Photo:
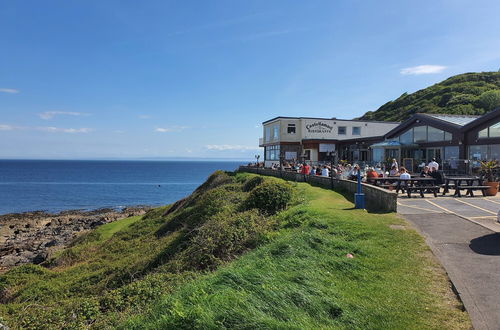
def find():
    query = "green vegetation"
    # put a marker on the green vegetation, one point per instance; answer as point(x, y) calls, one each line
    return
point(226, 257)
point(464, 94)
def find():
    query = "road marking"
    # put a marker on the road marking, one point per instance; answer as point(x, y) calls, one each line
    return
point(416, 207)
point(486, 216)
point(480, 208)
point(489, 200)
point(439, 206)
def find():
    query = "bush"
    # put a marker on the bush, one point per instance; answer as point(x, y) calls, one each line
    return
point(224, 237)
point(252, 183)
point(270, 196)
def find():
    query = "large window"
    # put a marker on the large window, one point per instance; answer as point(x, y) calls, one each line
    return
point(420, 134)
point(424, 134)
point(406, 137)
point(276, 132)
point(267, 134)
point(272, 153)
point(342, 130)
point(356, 130)
point(492, 131)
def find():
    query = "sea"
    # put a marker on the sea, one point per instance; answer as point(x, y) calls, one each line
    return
point(58, 185)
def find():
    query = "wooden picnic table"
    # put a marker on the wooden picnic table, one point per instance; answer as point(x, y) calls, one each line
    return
point(469, 185)
point(420, 184)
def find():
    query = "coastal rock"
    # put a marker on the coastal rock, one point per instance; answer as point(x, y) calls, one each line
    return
point(32, 237)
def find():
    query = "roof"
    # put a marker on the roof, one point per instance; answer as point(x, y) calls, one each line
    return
point(333, 118)
point(459, 120)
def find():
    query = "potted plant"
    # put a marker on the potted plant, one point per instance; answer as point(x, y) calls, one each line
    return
point(487, 172)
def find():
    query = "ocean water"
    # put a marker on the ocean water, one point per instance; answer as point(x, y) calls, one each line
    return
point(50, 185)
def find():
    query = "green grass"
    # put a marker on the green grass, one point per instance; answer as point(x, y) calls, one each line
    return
point(218, 262)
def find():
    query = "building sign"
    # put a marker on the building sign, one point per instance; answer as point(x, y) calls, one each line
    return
point(319, 127)
point(326, 147)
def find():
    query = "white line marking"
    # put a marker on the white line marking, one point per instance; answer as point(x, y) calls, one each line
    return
point(477, 207)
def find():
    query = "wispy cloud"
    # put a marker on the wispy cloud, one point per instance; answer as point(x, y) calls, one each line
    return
point(423, 69)
point(64, 130)
point(9, 90)
point(170, 129)
point(50, 114)
point(222, 147)
point(7, 127)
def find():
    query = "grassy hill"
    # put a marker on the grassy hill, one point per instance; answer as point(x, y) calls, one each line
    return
point(464, 94)
point(243, 251)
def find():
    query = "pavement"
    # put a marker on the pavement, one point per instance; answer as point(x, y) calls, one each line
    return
point(465, 237)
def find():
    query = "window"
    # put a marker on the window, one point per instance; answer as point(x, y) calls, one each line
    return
point(342, 130)
point(447, 136)
point(356, 130)
point(492, 132)
point(276, 132)
point(406, 137)
point(495, 130)
point(272, 153)
point(420, 134)
point(434, 134)
point(267, 134)
point(291, 129)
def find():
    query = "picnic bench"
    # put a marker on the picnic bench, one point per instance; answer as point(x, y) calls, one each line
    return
point(469, 186)
point(416, 184)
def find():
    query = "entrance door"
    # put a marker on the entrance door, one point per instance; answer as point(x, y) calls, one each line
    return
point(434, 153)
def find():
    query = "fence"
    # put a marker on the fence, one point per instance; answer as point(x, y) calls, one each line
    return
point(376, 199)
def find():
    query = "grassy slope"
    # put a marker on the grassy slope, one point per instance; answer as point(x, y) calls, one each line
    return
point(464, 94)
point(302, 278)
point(298, 276)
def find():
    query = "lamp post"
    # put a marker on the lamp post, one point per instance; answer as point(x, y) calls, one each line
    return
point(257, 157)
point(359, 197)
point(331, 155)
point(282, 158)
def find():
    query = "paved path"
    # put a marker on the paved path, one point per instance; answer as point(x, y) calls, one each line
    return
point(468, 249)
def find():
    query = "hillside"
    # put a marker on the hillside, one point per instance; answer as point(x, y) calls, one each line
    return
point(243, 251)
point(464, 94)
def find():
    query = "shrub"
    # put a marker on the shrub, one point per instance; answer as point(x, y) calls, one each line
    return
point(270, 196)
point(224, 237)
point(252, 183)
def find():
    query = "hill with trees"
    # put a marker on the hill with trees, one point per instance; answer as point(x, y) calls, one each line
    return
point(463, 94)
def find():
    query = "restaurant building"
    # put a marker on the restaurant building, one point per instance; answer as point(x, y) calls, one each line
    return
point(458, 142)
point(316, 139)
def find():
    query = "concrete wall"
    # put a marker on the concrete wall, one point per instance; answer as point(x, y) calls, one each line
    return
point(376, 199)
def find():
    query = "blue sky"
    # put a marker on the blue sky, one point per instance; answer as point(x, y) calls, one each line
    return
point(132, 79)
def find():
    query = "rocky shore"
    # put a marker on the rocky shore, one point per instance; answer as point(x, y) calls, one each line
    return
point(32, 237)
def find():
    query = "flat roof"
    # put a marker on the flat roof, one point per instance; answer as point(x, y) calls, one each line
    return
point(333, 118)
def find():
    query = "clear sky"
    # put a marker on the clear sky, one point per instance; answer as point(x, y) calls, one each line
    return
point(131, 79)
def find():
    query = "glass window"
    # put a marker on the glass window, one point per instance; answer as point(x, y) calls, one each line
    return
point(434, 134)
point(291, 129)
point(356, 130)
point(420, 134)
point(447, 136)
point(494, 152)
point(342, 130)
point(272, 153)
point(378, 154)
point(406, 137)
point(276, 132)
point(267, 134)
point(483, 133)
point(495, 130)
point(478, 152)
point(451, 152)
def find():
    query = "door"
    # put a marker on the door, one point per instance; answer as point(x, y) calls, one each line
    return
point(434, 153)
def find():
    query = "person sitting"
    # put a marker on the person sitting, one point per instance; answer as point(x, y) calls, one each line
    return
point(318, 170)
point(403, 174)
point(393, 171)
point(371, 174)
point(312, 171)
point(353, 175)
point(325, 171)
point(426, 173)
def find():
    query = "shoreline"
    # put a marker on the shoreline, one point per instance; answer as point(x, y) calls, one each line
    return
point(33, 237)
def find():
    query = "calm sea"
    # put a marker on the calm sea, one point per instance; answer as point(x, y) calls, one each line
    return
point(29, 185)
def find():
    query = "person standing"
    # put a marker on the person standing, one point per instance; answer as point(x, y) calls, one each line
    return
point(394, 164)
point(433, 165)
